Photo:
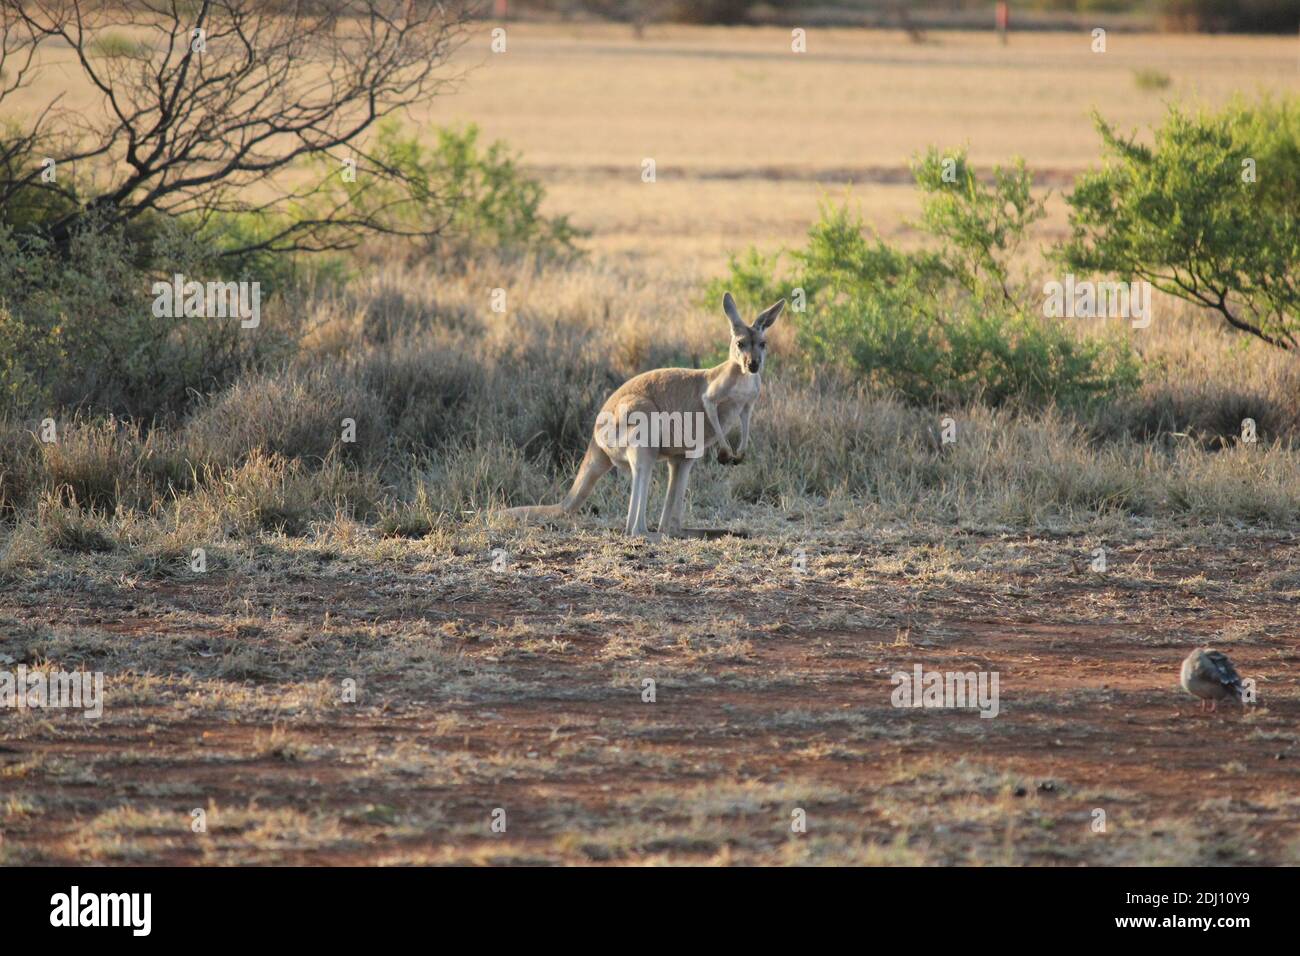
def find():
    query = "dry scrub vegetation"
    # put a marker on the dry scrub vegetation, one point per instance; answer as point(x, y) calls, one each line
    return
point(460, 410)
point(499, 666)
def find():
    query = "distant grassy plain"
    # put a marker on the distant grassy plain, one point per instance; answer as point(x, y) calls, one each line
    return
point(747, 136)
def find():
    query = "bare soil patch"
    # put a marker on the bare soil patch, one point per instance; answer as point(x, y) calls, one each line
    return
point(523, 690)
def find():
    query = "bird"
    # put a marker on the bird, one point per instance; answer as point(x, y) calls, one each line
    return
point(1209, 675)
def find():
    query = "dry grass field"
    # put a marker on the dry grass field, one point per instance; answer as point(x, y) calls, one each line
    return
point(500, 668)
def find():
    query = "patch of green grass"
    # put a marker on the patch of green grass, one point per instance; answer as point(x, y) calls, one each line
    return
point(118, 45)
point(1151, 79)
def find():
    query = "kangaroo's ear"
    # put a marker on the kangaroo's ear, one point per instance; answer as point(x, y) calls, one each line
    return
point(769, 315)
point(729, 306)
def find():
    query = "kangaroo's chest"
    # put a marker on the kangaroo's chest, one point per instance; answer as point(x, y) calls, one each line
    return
point(739, 398)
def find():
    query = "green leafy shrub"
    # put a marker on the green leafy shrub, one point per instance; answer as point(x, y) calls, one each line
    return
point(86, 334)
point(952, 325)
point(981, 226)
point(1207, 213)
point(26, 206)
point(476, 197)
point(79, 316)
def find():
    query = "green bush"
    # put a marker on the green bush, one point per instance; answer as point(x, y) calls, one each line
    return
point(27, 206)
point(86, 334)
point(1207, 213)
point(936, 327)
point(981, 226)
point(477, 198)
point(78, 320)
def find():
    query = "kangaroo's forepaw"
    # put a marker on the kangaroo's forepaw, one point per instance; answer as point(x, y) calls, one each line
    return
point(727, 458)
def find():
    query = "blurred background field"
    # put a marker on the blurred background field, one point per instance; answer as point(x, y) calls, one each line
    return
point(747, 136)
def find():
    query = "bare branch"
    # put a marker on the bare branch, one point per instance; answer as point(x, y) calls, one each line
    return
point(206, 105)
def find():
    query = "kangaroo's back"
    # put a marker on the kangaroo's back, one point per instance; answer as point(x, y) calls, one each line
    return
point(662, 389)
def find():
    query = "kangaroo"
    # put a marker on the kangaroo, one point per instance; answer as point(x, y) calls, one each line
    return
point(673, 415)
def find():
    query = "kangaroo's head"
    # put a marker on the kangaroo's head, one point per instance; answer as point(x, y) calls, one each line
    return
point(747, 341)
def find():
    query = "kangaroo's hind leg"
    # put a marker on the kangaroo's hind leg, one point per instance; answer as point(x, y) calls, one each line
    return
point(642, 461)
point(674, 513)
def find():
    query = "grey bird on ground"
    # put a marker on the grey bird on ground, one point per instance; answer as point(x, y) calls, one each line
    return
point(1209, 675)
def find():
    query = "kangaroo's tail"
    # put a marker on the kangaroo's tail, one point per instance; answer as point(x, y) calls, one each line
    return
point(594, 465)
